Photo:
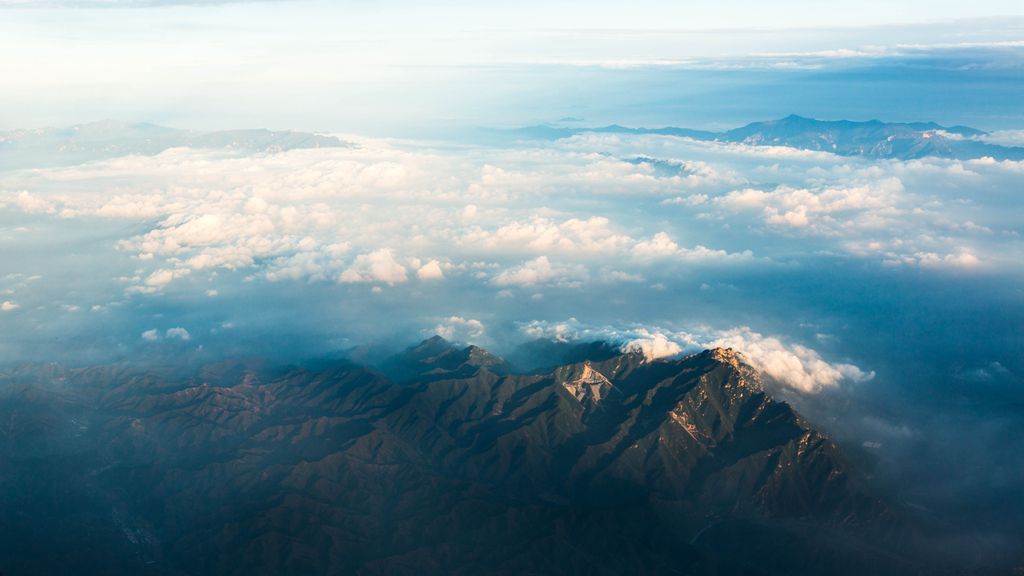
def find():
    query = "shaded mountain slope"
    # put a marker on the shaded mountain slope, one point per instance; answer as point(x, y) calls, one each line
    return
point(617, 465)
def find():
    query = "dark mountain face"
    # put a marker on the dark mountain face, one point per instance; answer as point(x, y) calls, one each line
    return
point(606, 466)
point(436, 358)
point(545, 355)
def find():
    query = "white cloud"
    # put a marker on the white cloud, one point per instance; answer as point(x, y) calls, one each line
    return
point(587, 240)
point(151, 335)
point(314, 263)
point(1004, 137)
point(377, 266)
point(823, 211)
point(540, 271)
point(653, 346)
point(430, 271)
point(460, 329)
point(179, 333)
point(30, 203)
point(8, 306)
point(962, 260)
point(543, 235)
point(556, 331)
point(302, 215)
point(798, 367)
point(163, 277)
point(660, 245)
point(691, 200)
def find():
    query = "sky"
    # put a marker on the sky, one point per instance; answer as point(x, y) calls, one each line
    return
point(356, 65)
point(883, 296)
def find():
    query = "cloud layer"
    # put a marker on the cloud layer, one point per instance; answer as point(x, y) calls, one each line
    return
point(388, 238)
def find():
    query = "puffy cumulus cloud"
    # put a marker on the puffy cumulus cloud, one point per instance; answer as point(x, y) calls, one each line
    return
point(378, 266)
point(279, 212)
point(541, 271)
point(798, 367)
point(661, 246)
point(28, 202)
point(299, 215)
point(460, 329)
point(915, 213)
point(558, 331)
point(651, 341)
point(8, 306)
point(179, 333)
point(314, 265)
point(601, 207)
point(1004, 137)
point(961, 260)
point(690, 200)
point(176, 333)
point(163, 277)
point(709, 255)
point(156, 280)
point(430, 271)
point(543, 235)
point(591, 239)
point(653, 346)
point(824, 211)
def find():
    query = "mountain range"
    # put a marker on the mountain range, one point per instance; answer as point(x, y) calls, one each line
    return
point(871, 139)
point(44, 147)
point(443, 459)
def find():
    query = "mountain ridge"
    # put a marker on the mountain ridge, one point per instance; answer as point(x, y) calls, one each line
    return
point(870, 139)
point(104, 139)
point(241, 469)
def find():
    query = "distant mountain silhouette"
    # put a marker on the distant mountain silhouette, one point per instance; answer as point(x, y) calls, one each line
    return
point(110, 139)
point(873, 139)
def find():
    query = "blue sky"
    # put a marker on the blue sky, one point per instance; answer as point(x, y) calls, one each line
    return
point(643, 14)
point(386, 67)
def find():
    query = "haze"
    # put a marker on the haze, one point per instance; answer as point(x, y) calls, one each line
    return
point(883, 294)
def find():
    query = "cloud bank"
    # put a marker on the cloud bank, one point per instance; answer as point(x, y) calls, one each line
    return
point(387, 238)
point(799, 368)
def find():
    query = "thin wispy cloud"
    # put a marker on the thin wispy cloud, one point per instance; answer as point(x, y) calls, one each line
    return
point(118, 4)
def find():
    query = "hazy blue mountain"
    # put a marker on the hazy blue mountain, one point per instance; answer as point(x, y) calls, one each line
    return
point(873, 139)
point(437, 358)
point(110, 139)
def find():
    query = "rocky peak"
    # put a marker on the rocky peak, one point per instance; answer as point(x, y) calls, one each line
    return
point(587, 385)
point(436, 357)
